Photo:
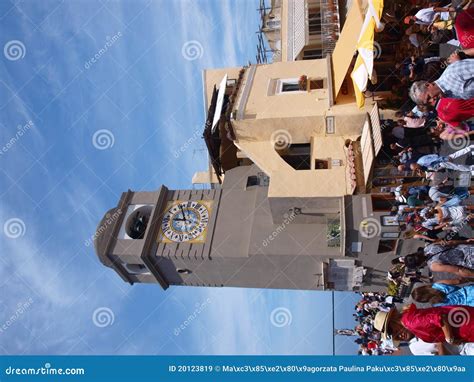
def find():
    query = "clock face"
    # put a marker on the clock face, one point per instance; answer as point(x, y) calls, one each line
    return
point(185, 221)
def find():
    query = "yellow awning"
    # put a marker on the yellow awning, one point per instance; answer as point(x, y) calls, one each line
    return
point(365, 46)
point(346, 45)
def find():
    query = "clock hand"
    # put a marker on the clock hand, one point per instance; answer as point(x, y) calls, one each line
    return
point(182, 211)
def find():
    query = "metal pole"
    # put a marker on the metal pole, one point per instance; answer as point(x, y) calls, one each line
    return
point(333, 327)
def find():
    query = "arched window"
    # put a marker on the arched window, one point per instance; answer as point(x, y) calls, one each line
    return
point(136, 269)
point(137, 222)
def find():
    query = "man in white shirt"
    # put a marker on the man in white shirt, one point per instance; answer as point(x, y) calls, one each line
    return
point(427, 16)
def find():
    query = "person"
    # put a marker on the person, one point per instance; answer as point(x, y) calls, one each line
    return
point(450, 324)
point(454, 217)
point(455, 111)
point(457, 81)
point(455, 257)
point(413, 67)
point(448, 196)
point(465, 28)
point(441, 293)
point(435, 162)
point(427, 16)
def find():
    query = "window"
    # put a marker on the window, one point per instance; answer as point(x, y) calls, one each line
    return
point(316, 84)
point(382, 202)
point(137, 269)
point(290, 87)
point(252, 181)
point(314, 22)
point(312, 54)
point(387, 246)
point(137, 222)
point(321, 164)
point(258, 180)
point(297, 156)
point(333, 232)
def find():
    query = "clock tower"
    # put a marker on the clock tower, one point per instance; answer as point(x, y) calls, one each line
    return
point(235, 235)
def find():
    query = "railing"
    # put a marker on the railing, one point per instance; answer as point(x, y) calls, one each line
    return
point(330, 25)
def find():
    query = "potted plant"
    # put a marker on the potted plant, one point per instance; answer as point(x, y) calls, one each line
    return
point(303, 82)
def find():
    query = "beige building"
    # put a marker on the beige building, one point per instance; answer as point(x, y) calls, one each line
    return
point(291, 171)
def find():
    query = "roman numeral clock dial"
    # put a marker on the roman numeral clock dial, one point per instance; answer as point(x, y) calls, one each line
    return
point(185, 222)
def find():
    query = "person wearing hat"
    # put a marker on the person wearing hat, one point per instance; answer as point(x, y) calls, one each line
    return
point(450, 324)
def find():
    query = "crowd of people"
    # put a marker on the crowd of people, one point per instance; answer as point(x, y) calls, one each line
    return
point(370, 341)
point(436, 115)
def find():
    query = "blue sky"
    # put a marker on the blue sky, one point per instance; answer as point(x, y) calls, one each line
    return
point(142, 99)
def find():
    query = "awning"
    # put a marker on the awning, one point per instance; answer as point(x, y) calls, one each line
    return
point(376, 129)
point(346, 45)
point(367, 150)
point(365, 46)
point(211, 139)
point(370, 141)
point(220, 103)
